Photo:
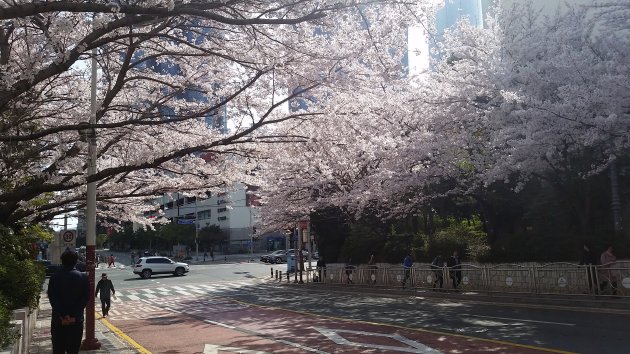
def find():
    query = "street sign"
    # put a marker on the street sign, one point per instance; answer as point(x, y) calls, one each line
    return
point(185, 221)
point(68, 239)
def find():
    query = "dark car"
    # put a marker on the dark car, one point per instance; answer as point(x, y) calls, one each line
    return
point(50, 268)
point(53, 268)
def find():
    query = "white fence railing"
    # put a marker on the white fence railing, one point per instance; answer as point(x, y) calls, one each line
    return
point(551, 278)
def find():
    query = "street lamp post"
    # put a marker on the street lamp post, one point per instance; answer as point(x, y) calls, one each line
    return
point(196, 230)
point(90, 342)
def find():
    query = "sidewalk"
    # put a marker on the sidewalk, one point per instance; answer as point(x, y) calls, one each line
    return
point(42, 344)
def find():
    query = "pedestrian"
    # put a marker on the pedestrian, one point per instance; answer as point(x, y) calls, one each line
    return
point(589, 261)
point(407, 264)
point(106, 288)
point(205, 254)
point(111, 261)
point(454, 269)
point(607, 260)
point(98, 259)
point(212, 254)
point(321, 268)
point(372, 267)
point(133, 257)
point(349, 268)
point(436, 266)
point(68, 292)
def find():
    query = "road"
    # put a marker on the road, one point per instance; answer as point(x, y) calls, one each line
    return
point(238, 306)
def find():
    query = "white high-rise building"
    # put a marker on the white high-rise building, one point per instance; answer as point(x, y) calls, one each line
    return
point(234, 211)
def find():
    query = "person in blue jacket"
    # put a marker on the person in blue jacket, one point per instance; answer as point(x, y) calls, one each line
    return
point(68, 292)
point(407, 264)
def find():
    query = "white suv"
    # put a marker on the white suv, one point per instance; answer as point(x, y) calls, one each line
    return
point(146, 266)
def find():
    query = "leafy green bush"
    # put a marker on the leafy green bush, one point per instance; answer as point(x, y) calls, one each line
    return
point(21, 281)
point(20, 277)
point(466, 236)
point(7, 335)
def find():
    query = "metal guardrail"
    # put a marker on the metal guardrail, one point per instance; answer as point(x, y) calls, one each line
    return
point(551, 278)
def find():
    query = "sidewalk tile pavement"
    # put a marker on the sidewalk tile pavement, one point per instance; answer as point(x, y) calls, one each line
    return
point(42, 344)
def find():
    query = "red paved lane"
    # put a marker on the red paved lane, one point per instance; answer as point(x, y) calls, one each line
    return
point(179, 325)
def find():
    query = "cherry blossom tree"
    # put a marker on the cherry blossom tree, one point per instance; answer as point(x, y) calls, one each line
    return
point(523, 98)
point(168, 71)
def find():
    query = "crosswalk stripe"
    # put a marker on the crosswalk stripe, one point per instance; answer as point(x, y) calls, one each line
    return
point(169, 292)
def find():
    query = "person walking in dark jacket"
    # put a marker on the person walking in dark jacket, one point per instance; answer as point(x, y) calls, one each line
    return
point(454, 269)
point(68, 292)
point(589, 261)
point(106, 287)
point(436, 266)
point(321, 268)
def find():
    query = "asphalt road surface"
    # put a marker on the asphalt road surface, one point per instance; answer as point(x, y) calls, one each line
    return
point(216, 307)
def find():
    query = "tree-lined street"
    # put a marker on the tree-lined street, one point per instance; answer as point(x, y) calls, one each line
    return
point(239, 306)
point(429, 132)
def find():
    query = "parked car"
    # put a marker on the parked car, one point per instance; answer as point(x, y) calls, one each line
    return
point(278, 256)
point(147, 266)
point(50, 268)
point(304, 253)
point(53, 268)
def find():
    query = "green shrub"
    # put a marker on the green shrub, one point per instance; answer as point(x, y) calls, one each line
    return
point(7, 334)
point(21, 281)
point(466, 236)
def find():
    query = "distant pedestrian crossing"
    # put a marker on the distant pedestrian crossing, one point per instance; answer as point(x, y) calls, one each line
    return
point(165, 301)
point(188, 290)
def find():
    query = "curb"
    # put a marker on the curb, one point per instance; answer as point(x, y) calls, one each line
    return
point(587, 303)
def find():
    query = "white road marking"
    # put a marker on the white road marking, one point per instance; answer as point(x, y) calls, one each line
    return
point(522, 320)
point(413, 346)
point(214, 349)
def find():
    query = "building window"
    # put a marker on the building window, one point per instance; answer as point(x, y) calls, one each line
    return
point(221, 210)
point(221, 218)
point(221, 201)
point(204, 214)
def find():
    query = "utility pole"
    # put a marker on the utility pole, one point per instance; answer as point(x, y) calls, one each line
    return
point(196, 230)
point(90, 342)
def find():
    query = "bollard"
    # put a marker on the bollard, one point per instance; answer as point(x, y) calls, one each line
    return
point(272, 272)
point(276, 274)
point(288, 279)
point(280, 276)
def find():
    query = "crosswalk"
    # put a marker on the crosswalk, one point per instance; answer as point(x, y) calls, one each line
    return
point(166, 301)
point(186, 290)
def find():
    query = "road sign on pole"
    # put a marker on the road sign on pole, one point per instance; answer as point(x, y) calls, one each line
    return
point(67, 239)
